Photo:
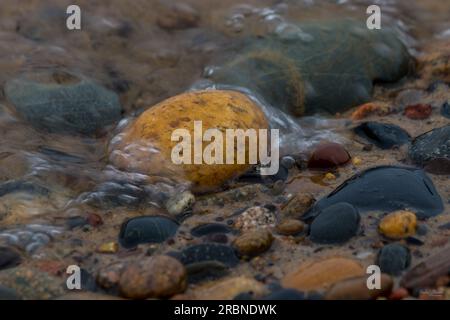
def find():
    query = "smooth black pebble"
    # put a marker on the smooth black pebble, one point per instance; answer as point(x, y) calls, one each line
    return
point(210, 228)
point(385, 188)
point(393, 259)
point(147, 229)
point(207, 252)
point(9, 258)
point(383, 135)
point(335, 224)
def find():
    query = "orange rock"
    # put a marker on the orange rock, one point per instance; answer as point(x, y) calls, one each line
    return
point(322, 274)
point(356, 289)
point(398, 225)
point(364, 110)
point(146, 145)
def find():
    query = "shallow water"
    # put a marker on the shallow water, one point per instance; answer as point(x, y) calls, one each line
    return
point(122, 47)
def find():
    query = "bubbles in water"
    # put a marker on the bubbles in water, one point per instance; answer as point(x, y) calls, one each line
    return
point(30, 237)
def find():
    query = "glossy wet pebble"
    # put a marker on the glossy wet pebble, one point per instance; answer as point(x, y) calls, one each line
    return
point(335, 224)
point(210, 228)
point(207, 252)
point(253, 242)
point(290, 227)
point(328, 155)
point(135, 148)
point(9, 258)
point(154, 277)
point(393, 259)
point(59, 101)
point(147, 229)
point(398, 225)
point(383, 135)
point(432, 150)
point(386, 188)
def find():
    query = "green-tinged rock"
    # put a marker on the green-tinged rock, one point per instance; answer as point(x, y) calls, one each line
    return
point(329, 67)
point(58, 101)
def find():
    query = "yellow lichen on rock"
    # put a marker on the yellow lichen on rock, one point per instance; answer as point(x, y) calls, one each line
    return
point(146, 145)
point(398, 225)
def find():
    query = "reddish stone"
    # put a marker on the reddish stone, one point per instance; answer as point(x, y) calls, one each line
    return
point(328, 155)
point(94, 219)
point(418, 111)
point(399, 294)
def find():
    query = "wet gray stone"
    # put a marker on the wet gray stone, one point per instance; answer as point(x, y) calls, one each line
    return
point(59, 101)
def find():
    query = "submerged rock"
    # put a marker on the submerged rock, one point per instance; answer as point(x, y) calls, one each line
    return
point(386, 188)
point(154, 277)
point(147, 229)
point(321, 274)
point(356, 289)
point(289, 74)
point(335, 224)
point(253, 242)
point(432, 150)
point(207, 252)
point(383, 135)
point(210, 228)
point(60, 101)
point(146, 146)
point(9, 258)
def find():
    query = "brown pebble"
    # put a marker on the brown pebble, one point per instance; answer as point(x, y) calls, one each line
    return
point(297, 205)
point(328, 155)
point(253, 242)
point(356, 289)
point(154, 277)
point(109, 276)
point(418, 111)
point(399, 294)
point(290, 227)
point(177, 15)
point(94, 219)
point(317, 275)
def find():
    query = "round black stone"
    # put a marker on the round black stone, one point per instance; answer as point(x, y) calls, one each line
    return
point(147, 229)
point(335, 224)
point(9, 258)
point(383, 135)
point(393, 259)
point(210, 228)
